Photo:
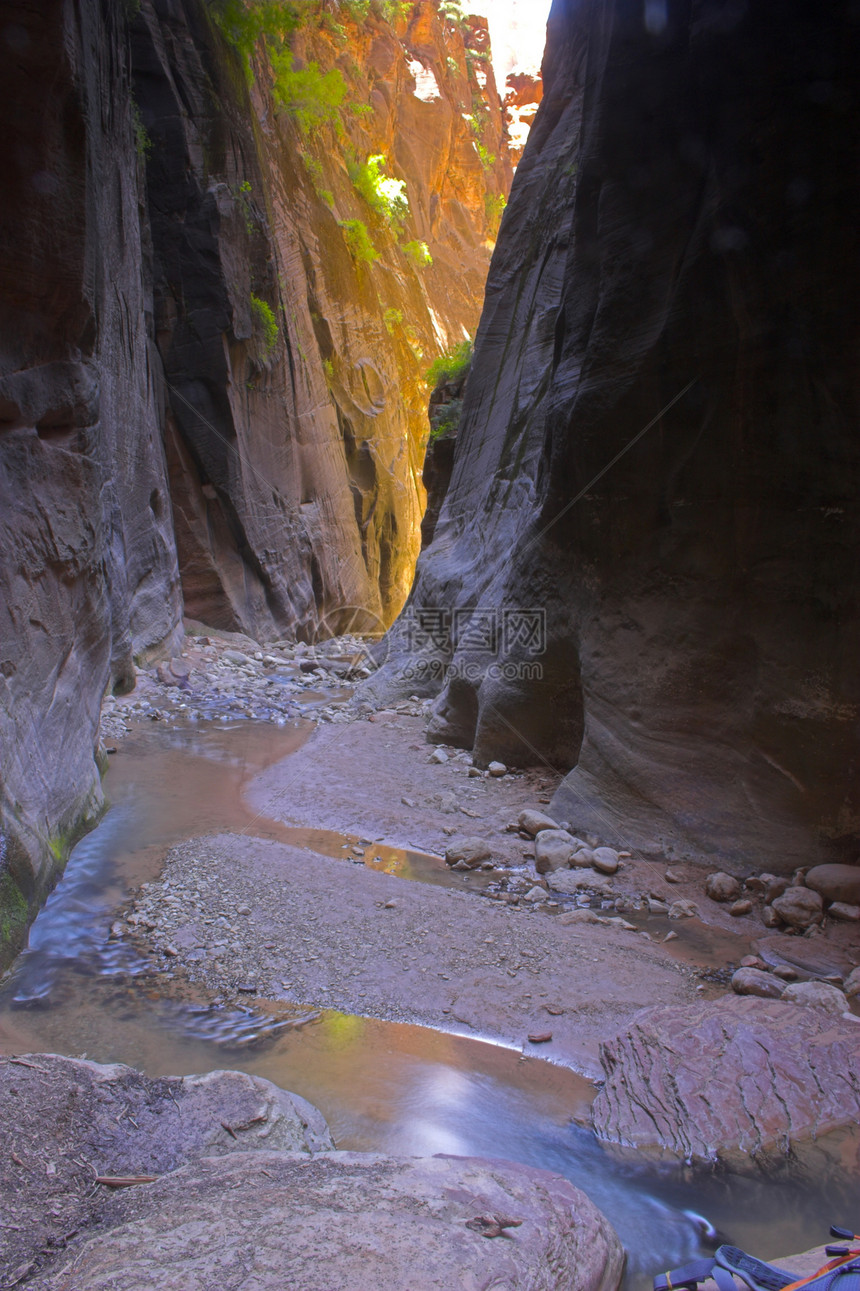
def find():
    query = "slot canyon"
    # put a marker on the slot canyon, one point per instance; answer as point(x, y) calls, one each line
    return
point(429, 638)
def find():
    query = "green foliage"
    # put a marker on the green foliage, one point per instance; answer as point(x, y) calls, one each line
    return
point(327, 196)
point(142, 141)
point(448, 421)
point(383, 194)
point(243, 25)
point(358, 240)
point(13, 915)
point(392, 318)
point(494, 206)
point(419, 253)
point(312, 97)
point(488, 159)
point(450, 365)
point(242, 195)
point(452, 10)
point(453, 66)
point(264, 326)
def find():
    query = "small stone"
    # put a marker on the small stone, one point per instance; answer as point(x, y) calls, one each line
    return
point(572, 917)
point(775, 889)
point(497, 769)
point(785, 972)
point(751, 981)
point(535, 894)
point(846, 913)
point(582, 858)
point(740, 908)
point(540, 1037)
point(171, 952)
point(468, 853)
point(683, 909)
point(722, 887)
point(439, 757)
point(752, 961)
point(409, 802)
point(473, 773)
point(800, 907)
point(533, 822)
point(816, 994)
point(852, 983)
point(770, 918)
point(390, 905)
point(672, 876)
point(243, 909)
point(670, 936)
point(605, 860)
point(553, 850)
point(247, 988)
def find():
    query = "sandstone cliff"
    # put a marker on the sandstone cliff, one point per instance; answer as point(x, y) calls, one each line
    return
point(213, 344)
point(659, 447)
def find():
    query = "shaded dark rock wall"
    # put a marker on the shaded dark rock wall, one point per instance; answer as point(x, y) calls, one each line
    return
point(88, 573)
point(675, 280)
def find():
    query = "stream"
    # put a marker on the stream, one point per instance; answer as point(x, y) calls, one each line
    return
point(382, 1086)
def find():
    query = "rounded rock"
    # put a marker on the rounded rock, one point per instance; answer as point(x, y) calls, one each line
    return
point(497, 769)
point(533, 822)
point(817, 995)
point(605, 860)
point(836, 882)
point(751, 981)
point(553, 850)
point(800, 907)
point(722, 887)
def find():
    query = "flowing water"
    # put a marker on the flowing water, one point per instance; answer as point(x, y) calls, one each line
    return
point(382, 1086)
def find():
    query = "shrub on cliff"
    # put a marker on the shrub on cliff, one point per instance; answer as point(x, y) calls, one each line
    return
point(450, 365)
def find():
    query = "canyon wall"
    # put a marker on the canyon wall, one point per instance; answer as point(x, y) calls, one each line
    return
point(88, 572)
point(211, 381)
point(655, 489)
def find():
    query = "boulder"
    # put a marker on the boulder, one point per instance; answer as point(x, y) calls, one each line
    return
point(727, 1080)
point(470, 852)
point(583, 858)
point(799, 907)
point(722, 887)
point(346, 1219)
point(836, 882)
point(553, 850)
point(816, 994)
point(74, 1117)
point(535, 821)
point(751, 981)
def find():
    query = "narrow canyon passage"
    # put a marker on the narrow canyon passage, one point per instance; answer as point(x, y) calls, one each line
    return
point(429, 702)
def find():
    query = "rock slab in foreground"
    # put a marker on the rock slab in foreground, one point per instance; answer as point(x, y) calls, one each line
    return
point(738, 1076)
point(273, 1221)
point(63, 1121)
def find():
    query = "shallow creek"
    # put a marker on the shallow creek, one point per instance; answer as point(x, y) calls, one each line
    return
point(382, 1086)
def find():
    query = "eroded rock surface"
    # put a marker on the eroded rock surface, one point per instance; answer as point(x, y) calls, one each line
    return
point(657, 445)
point(371, 1223)
point(63, 1120)
point(730, 1079)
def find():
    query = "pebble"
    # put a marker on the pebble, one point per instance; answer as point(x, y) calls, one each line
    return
point(672, 876)
point(683, 909)
point(497, 769)
point(740, 908)
point(439, 757)
point(852, 983)
point(533, 822)
point(800, 907)
point(540, 1037)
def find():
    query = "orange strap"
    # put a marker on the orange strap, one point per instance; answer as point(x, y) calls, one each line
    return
point(825, 1268)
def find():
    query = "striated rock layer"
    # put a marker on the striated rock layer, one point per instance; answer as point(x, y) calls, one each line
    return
point(731, 1079)
point(658, 449)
